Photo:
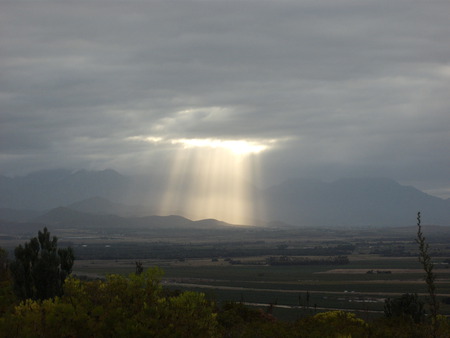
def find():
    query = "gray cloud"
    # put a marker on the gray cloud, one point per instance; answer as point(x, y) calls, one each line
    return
point(347, 87)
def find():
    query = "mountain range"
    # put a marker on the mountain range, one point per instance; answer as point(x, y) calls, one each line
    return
point(353, 202)
point(67, 217)
point(107, 197)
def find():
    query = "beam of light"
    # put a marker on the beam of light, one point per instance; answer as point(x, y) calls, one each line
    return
point(240, 147)
point(148, 139)
point(213, 179)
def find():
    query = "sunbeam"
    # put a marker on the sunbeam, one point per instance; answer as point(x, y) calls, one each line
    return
point(213, 179)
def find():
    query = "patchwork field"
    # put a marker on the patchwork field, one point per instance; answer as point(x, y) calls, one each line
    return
point(292, 271)
point(292, 290)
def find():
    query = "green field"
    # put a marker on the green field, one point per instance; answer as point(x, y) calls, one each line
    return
point(347, 287)
point(237, 264)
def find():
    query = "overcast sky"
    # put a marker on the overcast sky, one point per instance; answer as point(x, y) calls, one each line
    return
point(332, 88)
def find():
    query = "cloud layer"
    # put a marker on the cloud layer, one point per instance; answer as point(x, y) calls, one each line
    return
point(336, 88)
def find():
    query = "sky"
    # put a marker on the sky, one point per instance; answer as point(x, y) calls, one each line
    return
point(312, 89)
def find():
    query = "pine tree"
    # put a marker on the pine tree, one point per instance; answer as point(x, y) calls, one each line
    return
point(40, 268)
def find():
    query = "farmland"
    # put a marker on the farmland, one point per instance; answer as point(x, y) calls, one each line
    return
point(238, 265)
point(296, 271)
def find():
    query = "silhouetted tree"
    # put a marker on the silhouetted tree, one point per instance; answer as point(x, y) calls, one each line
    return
point(3, 264)
point(407, 306)
point(427, 264)
point(139, 267)
point(40, 268)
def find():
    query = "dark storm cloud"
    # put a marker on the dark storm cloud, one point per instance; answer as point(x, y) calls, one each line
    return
point(346, 87)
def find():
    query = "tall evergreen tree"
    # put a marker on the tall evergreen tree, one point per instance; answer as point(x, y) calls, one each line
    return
point(40, 268)
point(3, 264)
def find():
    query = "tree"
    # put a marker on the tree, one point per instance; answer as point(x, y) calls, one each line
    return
point(407, 306)
point(40, 268)
point(3, 264)
point(430, 276)
point(139, 267)
point(7, 298)
point(428, 266)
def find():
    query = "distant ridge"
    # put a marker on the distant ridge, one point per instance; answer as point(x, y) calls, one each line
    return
point(51, 188)
point(66, 217)
point(102, 206)
point(349, 202)
point(353, 202)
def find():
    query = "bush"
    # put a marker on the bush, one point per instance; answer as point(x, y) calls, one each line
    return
point(131, 306)
point(408, 306)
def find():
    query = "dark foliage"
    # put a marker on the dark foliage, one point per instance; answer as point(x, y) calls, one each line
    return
point(40, 268)
point(407, 306)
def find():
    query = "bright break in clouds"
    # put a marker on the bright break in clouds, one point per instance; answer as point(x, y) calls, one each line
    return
point(323, 89)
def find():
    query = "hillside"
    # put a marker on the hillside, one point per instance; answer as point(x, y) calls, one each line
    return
point(65, 217)
point(352, 202)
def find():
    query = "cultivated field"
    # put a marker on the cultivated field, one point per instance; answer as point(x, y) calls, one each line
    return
point(381, 264)
point(294, 270)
